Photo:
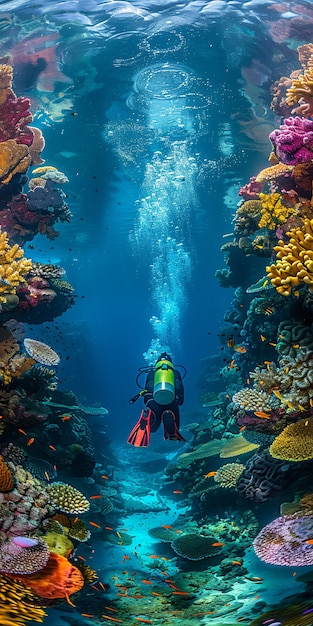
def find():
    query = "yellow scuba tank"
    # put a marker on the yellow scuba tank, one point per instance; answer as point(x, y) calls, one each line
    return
point(164, 382)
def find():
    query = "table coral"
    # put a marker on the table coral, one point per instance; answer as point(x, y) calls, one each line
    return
point(294, 263)
point(286, 541)
point(293, 141)
point(236, 446)
point(195, 547)
point(295, 442)
point(13, 267)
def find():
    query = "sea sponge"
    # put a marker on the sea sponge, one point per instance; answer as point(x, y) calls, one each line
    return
point(273, 212)
point(58, 543)
point(58, 579)
point(295, 260)
point(16, 558)
point(295, 442)
point(286, 541)
point(67, 498)
point(195, 547)
point(18, 604)
point(14, 159)
point(41, 352)
point(227, 475)
point(13, 266)
point(272, 173)
point(6, 477)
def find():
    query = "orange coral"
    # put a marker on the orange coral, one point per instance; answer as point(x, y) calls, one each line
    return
point(6, 477)
point(58, 579)
point(6, 76)
point(14, 158)
point(37, 146)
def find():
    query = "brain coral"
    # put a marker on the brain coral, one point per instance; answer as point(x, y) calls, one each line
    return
point(285, 541)
point(195, 547)
point(263, 477)
point(67, 499)
point(295, 442)
point(291, 335)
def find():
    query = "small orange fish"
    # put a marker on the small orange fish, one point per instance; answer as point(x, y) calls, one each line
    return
point(87, 615)
point(248, 381)
point(277, 394)
point(209, 474)
point(167, 526)
point(217, 544)
point(262, 414)
point(242, 428)
point(146, 582)
point(52, 448)
point(271, 343)
point(20, 430)
point(65, 418)
point(109, 608)
point(262, 338)
point(230, 342)
point(113, 619)
point(144, 621)
point(30, 441)
point(108, 528)
point(296, 345)
point(240, 349)
point(181, 593)
point(82, 558)
point(154, 593)
point(236, 563)
point(232, 365)
point(177, 491)
point(154, 556)
point(75, 520)
point(94, 524)
point(105, 477)
point(309, 542)
point(47, 476)
point(126, 557)
point(95, 497)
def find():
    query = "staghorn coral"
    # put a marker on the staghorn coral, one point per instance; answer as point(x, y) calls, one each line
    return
point(58, 579)
point(19, 559)
point(195, 547)
point(227, 475)
point(295, 260)
point(273, 212)
point(13, 267)
point(286, 541)
point(40, 352)
point(263, 478)
point(293, 141)
point(67, 499)
point(6, 477)
point(18, 604)
point(252, 400)
point(295, 442)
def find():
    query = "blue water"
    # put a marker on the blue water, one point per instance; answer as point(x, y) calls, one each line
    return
point(158, 113)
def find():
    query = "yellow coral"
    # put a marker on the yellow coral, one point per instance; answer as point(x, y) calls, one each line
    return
point(295, 442)
point(302, 87)
point(273, 212)
point(294, 263)
point(14, 158)
point(13, 267)
point(18, 604)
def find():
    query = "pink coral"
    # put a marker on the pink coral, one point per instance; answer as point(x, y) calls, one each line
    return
point(14, 117)
point(251, 190)
point(293, 141)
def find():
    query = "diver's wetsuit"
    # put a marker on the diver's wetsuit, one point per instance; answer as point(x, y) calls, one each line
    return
point(159, 409)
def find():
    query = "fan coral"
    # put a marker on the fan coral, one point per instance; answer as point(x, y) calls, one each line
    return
point(295, 442)
point(227, 475)
point(286, 541)
point(41, 352)
point(17, 559)
point(6, 477)
point(195, 547)
point(263, 477)
point(67, 499)
point(18, 604)
point(58, 579)
point(273, 212)
point(13, 267)
point(295, 260)
point(252, 400)
point(293, 141)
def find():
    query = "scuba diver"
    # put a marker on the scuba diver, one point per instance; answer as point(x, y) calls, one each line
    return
point(163, 394)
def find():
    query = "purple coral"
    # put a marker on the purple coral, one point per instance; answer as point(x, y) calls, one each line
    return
point(293, 141)
point(14, 117)
point(45, 198)
point(286, 541)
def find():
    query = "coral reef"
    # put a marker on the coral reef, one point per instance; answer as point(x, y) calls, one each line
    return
point(227, 475)
point(13, 267)
point(295, 260)
point(286, 541)
point(273, 212)
point(67, 498)
point(293, 141)
point(18, 557)
point(40, 352)
point(295, 442)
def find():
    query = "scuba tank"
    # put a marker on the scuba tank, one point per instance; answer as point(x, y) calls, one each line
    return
point(164, 381)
